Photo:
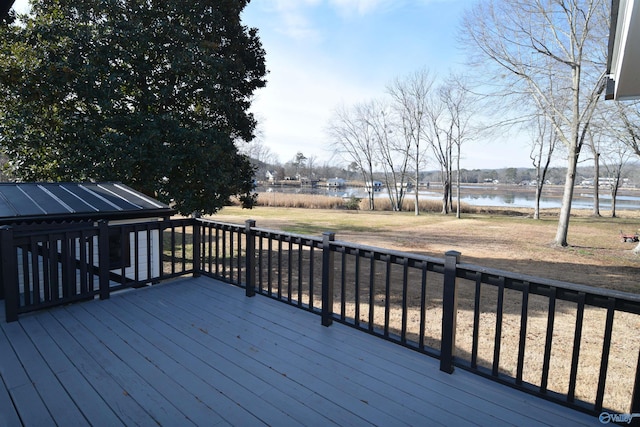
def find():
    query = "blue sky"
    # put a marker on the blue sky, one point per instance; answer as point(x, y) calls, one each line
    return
point(325, 53)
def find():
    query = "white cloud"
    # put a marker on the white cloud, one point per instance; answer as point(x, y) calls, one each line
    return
point(298, 27)
point(293, 18)
point(297, 19)
point(361, 7)
point(299, 99)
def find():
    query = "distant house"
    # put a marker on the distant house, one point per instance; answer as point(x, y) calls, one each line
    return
point(373, 185)
point(271, 176)
point(406, 186)
point(49, 207)
point(336, 183)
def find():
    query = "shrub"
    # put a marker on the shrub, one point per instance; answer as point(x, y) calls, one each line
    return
point(353, 203)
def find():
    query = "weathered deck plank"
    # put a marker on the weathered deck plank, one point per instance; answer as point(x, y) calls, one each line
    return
point(208, 359)
point(330, 368)
point(259, 344)
point(196, 351)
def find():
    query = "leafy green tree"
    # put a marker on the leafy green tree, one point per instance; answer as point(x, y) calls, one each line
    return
point(511, 175)
point(152, 93)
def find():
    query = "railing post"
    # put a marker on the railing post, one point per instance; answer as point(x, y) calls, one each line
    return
point(250, 263)
point(196, 241)
point(449, 312)
point(327, 278)
point(9, 274)
point(103, 259)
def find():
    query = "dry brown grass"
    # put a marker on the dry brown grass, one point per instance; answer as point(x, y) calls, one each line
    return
point(316, 201)
point(512, 242)
point(309, 201)
point(494, 237)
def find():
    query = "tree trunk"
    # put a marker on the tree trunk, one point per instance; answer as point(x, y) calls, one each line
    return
point(614, 196)
point(596, 184)
point(458, 183)
point(567, 197)
point(445, 197)
point(450, 182)
point(415, 191)
point(536, 210)
point(369, 191)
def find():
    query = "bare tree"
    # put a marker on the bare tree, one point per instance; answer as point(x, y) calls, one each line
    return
point(542, 148)
point(257, 151)
point(629, 125)
point(438, 133)
point(392, 153)
point(460, 106)
point(311, 166)
point(615, 159)
point(354, 138)
point(628, 115)
point(554, 53)
point(410, 97)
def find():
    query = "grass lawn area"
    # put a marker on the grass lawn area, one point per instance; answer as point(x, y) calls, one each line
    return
point(596, 255)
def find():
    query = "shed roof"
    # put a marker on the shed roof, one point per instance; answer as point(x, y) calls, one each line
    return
point(33, 201)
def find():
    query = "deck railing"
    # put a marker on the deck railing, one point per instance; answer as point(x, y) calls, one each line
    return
point(572, 344)
point(56, 264)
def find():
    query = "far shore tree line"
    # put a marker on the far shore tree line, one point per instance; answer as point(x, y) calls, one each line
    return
point(270, 171)
point(298, 172)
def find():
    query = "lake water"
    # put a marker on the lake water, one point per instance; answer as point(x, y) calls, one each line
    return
point(502, 196)
point(519, 200)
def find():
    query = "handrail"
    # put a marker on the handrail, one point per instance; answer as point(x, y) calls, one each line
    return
point(469, 271)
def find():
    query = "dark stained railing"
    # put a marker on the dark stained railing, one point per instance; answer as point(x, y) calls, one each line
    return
point(572, 344)
point(55, 264)
point(582, 342)
point(44, 267)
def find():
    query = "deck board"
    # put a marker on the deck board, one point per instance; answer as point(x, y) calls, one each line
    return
point(198, 352)
point(263, 385)
point(307, 362)
point(301, 370)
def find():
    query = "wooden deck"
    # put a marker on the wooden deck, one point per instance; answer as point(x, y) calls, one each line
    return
point(197, 351)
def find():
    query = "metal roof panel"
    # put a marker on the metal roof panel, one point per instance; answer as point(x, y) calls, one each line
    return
point(63, 201)
point(71, 199)
point(21, 203)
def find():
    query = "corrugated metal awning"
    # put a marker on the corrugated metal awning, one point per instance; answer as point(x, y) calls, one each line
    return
point(59, 201)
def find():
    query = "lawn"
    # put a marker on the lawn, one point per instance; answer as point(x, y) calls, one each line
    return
point(595, 256)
